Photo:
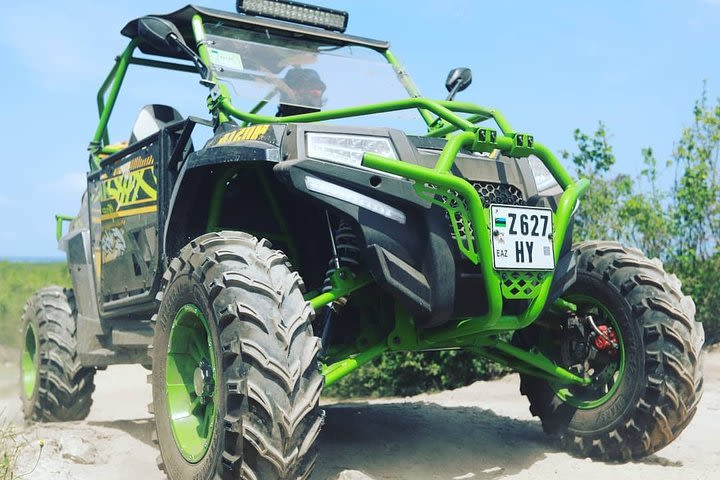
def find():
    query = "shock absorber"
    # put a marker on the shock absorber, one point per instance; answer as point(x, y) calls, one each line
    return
point(346, 253)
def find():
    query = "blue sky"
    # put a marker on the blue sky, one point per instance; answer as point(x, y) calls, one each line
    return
point(549, 66)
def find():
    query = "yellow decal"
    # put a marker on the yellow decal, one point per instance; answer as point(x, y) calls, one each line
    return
point(134, 164)
point(128, 212)
point(248, 133)
point(130, 190)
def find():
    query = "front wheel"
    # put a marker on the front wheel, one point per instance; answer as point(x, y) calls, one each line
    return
point(236, 384)
point(634, 334)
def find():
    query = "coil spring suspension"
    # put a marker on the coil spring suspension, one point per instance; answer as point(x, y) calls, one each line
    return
point(346, 253)
point(346, 250)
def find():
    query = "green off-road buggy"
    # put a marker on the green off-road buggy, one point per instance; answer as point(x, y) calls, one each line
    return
point(291, 249)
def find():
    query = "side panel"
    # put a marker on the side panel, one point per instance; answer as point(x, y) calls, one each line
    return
point(128, 205)
point(124, 210)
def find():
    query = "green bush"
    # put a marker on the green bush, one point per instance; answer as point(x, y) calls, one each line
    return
point(410, 373)
point(703, 285)
point(680, 225)
point(18, 281)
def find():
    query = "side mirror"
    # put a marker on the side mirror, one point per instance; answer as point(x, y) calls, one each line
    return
point(458, 80)
point(158, 33)
point(164, 37)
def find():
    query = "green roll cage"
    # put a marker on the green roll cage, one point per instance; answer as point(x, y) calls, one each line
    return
point(478, 334)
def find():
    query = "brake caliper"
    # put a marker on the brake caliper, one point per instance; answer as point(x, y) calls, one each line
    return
point(606, 340)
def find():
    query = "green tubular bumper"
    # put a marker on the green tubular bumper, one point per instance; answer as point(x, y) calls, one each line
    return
point(477, 333)
point(479, 216)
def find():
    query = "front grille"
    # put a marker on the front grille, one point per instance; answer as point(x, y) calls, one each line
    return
point(490, 193)
point(500, 193)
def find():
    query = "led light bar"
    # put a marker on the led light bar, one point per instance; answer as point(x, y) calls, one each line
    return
point(346, 195)
point(296, 12)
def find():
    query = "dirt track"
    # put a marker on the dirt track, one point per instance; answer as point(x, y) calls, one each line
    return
point(482, 431)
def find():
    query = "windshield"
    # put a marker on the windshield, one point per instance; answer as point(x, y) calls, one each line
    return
point(287, 76)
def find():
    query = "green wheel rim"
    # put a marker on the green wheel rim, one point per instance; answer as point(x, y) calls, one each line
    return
point(191, 382)
point(587, 397)
point(29, 362)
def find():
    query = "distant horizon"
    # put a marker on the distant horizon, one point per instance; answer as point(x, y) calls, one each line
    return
point(27, 259)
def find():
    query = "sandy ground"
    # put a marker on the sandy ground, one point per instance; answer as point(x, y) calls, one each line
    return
point(482, 431)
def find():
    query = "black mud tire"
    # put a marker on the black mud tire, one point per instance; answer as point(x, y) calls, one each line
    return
point(662, 384)
point(63, 388)
point(268, 411)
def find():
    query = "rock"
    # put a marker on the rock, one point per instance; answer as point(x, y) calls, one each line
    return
point(79, 450)
point(352, 475)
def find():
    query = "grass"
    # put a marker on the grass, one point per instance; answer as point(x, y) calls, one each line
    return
point(18, 281)
point(12, 445)
point(9, 450)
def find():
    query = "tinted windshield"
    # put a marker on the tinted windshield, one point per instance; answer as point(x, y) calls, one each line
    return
point(302, 73)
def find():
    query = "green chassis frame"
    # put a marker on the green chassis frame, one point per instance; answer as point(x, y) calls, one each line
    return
point(478, 334)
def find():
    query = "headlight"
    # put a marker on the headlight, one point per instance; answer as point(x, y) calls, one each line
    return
point(346, 149)
point(544, 180)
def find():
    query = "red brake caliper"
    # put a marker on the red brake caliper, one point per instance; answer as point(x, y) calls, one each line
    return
point(607, 341)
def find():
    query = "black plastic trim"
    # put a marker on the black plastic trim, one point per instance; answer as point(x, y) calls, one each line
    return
point(182, 19)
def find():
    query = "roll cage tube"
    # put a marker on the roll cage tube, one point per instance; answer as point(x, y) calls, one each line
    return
point(219, 103)
point(100, 143)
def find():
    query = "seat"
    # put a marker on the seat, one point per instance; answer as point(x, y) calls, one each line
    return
point(151, 119)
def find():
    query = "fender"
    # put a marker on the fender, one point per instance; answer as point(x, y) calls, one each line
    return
point(203, 169)
point(564, 277)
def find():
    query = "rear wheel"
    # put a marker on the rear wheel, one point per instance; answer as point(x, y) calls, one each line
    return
point(635, 335)
point(55, 387)
point(236, 384)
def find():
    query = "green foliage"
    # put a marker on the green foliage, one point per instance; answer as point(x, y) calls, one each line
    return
point(697, 190)
point(18, 281)
point(680, 225)
point(411, 373)
point(599, 213)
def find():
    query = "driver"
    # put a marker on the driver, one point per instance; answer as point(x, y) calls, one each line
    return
point(303, 93)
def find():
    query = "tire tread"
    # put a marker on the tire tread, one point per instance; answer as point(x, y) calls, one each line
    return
point(673, 358)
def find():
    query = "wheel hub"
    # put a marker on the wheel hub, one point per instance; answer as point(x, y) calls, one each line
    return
point(591, 346)
point(203, 381)
point(29, 362)
point(190, 383)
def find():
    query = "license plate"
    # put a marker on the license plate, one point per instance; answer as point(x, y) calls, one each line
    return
point(522, 238)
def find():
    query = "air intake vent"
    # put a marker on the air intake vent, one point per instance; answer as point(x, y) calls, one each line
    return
point(490, 193)
point(500, 193)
